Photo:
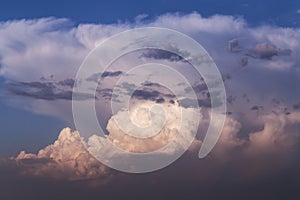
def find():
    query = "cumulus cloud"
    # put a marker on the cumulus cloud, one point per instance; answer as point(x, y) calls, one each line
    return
point(174, 126)
point(67, 158)
point(157, 132)
point(271, 147)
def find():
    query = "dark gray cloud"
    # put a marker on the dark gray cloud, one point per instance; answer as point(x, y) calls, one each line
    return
point(67, 82)
point(152, 95)
point(148, 91)
point(284, 52)
point(160, 54)
point(256, 107)
point(198, 88)
point(28, 162)
point(265, 51)
point(46, 90)
point(97, 76)
point(105, 93)
point(244, 61)
point(151, 84)
point(231, 99)
point(128, 87)
point(111, 74)
point(296, 106)
point(233, 45)
point(17, 46)
point(154, 92)
point(146, 95)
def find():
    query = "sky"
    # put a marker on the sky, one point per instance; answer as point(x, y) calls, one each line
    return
point(254, 44)
point(254, 12)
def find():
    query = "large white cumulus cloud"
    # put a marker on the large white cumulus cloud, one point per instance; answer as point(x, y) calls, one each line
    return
point(66, 158)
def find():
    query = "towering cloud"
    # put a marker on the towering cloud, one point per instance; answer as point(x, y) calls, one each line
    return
point(66, 158)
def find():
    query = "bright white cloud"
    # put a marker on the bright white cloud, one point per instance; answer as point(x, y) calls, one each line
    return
point(66, 158)
point(176, 129)
point(195, 23)
point(31, 49)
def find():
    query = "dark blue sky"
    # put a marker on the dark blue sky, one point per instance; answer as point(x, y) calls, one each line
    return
point(281, 13)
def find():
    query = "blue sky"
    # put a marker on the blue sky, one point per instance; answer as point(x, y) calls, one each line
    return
point(92, 11)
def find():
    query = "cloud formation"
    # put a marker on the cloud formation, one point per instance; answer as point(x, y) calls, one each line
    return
point(66, 159)
point(260, 138)
point(272, 147)
point(45, 47)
